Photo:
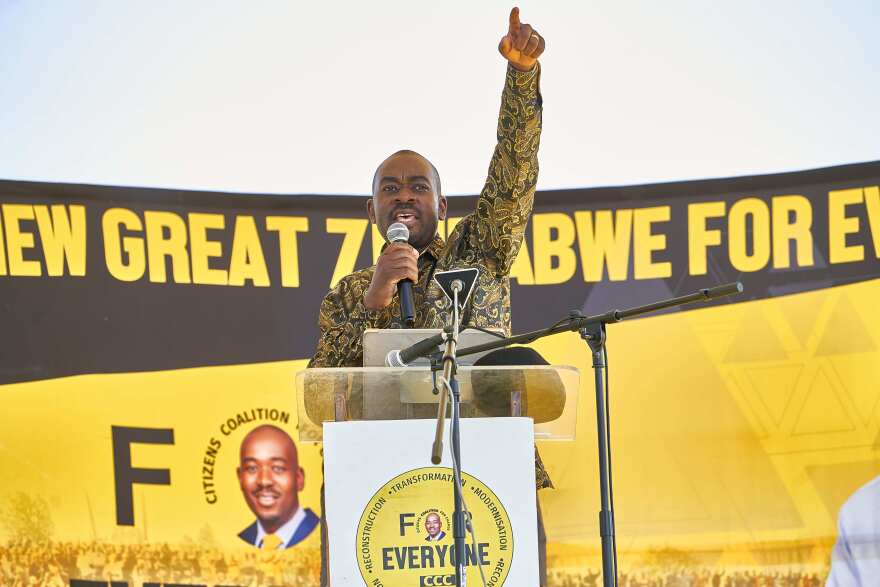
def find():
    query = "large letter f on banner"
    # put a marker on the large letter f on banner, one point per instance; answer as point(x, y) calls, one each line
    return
point(126, 476)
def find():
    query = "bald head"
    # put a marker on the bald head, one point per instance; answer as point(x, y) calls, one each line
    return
point(270, 434)
point(435, 175)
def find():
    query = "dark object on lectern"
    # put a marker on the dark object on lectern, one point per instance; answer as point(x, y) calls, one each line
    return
point(492, 389)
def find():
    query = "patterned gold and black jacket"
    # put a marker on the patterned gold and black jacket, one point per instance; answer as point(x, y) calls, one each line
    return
point(489, 239)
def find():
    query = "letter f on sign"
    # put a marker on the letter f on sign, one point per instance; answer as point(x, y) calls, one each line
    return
point(405, 522)
point(126, 476)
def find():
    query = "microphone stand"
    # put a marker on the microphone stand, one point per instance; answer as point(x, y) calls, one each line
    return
point(592, 331)
point(449, 383)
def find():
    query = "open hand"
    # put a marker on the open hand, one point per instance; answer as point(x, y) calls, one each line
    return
point(522, 45)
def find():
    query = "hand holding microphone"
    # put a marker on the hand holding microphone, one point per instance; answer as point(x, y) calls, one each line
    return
point(396, 271)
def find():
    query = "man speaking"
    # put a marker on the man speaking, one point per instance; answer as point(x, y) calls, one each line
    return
point(406, 189)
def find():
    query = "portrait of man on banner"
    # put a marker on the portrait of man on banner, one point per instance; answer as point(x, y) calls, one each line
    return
point(434, 527)
point(271, 478)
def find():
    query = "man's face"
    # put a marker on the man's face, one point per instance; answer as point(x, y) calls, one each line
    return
point(432, 524)
point(405, 191)
point(270, 477)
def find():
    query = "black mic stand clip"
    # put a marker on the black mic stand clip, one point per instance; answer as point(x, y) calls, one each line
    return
point(436, 360)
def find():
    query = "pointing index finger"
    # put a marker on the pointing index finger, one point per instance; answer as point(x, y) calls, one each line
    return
point(514, 21)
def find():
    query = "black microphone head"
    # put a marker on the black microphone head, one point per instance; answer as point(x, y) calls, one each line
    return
point(397, 233)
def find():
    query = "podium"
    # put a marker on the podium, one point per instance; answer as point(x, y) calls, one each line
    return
point(546, 394)
point(348, 392)
point(389, 510)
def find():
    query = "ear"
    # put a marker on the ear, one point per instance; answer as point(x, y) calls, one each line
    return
point(371, 213)
point(441, 208)
point(300, 479)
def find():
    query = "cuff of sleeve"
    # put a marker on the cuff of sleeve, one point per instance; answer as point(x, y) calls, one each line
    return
point(371, 317)
point(525, 83)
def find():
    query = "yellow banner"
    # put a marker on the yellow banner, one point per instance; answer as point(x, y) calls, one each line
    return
point(738, 432)
point(145, 477)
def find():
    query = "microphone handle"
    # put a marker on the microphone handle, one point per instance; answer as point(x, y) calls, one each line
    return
point(407, 309)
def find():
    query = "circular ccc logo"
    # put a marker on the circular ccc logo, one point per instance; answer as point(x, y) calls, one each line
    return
point(404, 535)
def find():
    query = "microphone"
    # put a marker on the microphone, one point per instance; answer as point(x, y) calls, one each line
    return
point(423, 348)
point(399, 233)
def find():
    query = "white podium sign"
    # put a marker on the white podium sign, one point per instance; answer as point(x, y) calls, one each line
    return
point(389, 510)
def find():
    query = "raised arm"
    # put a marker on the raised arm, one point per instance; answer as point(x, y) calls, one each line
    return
point(505, 203)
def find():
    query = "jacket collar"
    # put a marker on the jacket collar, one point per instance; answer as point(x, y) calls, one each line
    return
point(435, 247)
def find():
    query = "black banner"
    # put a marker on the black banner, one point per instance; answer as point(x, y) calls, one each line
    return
point(98, 279)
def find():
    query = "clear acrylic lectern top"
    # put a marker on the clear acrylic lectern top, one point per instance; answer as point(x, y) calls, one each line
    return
point(547, 394)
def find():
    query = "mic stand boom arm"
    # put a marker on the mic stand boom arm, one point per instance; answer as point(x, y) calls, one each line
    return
point(592, 330)
point(576, 321)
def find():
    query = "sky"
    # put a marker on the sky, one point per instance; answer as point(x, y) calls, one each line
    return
point(307, 98)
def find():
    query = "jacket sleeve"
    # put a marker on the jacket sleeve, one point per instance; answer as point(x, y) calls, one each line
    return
point(505, 203)
point(342, 320)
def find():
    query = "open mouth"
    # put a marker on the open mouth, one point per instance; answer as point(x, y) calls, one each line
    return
point(407, 217)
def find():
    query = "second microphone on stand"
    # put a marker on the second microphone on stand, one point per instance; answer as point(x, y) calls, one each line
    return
point(399, 233)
